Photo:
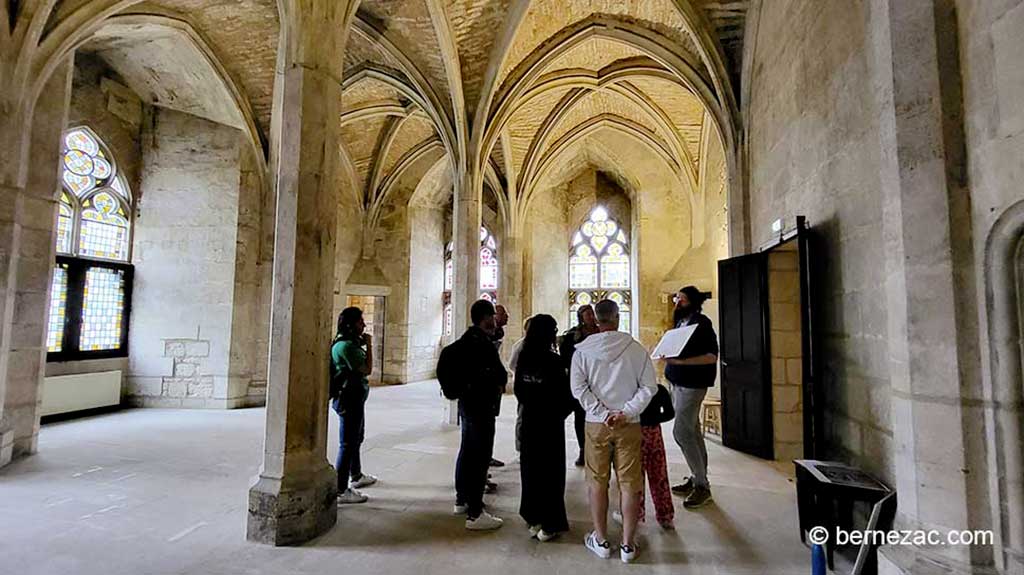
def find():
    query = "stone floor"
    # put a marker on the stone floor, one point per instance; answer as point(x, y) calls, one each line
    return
point(152, 491)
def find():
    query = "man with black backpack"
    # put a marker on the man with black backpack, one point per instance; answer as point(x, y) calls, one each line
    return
point(471, 371)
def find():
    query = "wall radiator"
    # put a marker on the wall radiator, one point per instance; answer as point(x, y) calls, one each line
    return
point(67, 393)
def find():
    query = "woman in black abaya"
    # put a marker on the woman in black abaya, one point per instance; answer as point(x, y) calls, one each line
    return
point(542, 388)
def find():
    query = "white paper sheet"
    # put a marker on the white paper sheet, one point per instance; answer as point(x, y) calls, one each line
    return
point(673, 342)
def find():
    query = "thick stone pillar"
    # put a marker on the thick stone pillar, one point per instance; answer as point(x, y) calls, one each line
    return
point(293, 499)
point(465, 261)
point(510, 291)
point(466, 256)
point(928, 360)
point(27, 217)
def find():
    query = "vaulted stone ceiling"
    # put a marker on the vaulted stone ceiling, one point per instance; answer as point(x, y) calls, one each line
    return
point(508, 84)
point(489, 87)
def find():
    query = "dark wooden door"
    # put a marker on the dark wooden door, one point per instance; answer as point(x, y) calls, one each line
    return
point(813, 396)
point(746, 385)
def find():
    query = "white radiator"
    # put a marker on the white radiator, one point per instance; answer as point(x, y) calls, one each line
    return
point(67, 393)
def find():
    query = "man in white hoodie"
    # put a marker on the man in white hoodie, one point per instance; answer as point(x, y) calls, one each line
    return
point(613, 379)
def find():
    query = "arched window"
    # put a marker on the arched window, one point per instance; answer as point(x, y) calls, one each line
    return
point(92, 279)
point(488, 274)
point(488, 266)
point(599, 266)
point(449, 281)
point(95, 201)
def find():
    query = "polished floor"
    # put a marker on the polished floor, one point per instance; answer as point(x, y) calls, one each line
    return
point(150, 491)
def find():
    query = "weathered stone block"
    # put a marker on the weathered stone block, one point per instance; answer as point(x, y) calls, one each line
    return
point(197, 348)
point(794, 371)
point(184, 368)
point(778, 370)
point(786, 344)
point(203, 387)
point(784, 316)
point(787, 399)
point(293, 510)
point(174, 348)
point(173, 387)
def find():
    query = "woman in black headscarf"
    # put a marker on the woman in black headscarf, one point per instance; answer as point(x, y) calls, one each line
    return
point(542, 388)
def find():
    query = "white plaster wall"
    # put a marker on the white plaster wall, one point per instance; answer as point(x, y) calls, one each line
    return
point(185, 244)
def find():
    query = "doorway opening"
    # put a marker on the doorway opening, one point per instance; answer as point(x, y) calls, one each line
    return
point(373, 307)
point(771, 405)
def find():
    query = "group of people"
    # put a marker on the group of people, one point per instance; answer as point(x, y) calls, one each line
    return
point(601, 375)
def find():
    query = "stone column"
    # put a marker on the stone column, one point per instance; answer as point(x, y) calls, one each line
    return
point(293, 499)
point(510, 292)
point(27, 217)
point(465, 261)
point(466, 256)
point(928, 360)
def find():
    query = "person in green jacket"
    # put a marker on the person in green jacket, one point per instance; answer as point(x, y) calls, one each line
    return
point(351, 363)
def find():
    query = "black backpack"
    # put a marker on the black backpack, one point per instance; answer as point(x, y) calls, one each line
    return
point(453, 385)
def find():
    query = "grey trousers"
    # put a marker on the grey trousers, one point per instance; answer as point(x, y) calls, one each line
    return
point(687, 433)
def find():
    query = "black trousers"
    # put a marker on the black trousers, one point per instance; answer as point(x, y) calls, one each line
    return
point(474, 459)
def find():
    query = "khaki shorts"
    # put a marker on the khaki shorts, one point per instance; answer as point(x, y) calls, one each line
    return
point(621, 446)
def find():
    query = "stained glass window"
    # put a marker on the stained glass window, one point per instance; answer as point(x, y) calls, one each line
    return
point(104, 228)
point(88, 311)
point(102, 309)
point(58, 309)
point(488, 266)
point(449, 281)
point(95, 203)
point(65, 224)
point(599, 266)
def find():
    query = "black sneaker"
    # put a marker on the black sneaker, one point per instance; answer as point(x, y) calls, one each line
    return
point(490, 487)
point(684, 488)
point(496, 463)
point(579, 461)
point(699, 497)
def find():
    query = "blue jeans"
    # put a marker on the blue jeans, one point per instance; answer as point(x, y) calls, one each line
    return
point(474, 458)
point(350, 434)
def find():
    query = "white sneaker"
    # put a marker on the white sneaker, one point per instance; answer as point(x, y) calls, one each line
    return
point(617, 517)
point(628, 553)
point(534, 530)
point(485, 522)
point(350, 496)
point(365, 481)
point(460, 509)
point(602, 549)
point(546, 535)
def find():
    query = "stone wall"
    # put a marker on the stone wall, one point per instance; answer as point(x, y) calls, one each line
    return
point(546, 257)
point(426, 278)
point(991, 42)
point(101, 101)
point(786, 352)
point(813, 137)
point(656, 217)
point(187, 273)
